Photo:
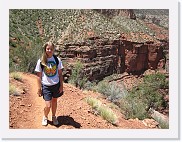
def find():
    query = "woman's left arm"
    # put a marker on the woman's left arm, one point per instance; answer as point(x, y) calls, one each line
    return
point(61, 80)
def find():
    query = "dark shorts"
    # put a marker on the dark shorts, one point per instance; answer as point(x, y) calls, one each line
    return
point(50, 92)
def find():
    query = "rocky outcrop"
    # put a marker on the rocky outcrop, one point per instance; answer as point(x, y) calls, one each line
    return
point(103, 57)
point(129, 13)
point(142, 56)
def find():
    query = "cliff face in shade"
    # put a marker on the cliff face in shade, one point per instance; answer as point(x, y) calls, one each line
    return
point(103, 57)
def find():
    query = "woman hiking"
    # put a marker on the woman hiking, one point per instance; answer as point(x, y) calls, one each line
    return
point(50, 81)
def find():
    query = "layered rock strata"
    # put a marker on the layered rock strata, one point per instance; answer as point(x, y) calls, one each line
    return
point(103, 57)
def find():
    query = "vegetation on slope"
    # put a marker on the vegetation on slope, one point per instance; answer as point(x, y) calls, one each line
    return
point(29, 29)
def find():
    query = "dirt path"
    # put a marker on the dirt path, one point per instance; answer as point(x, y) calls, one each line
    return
point(26, 110)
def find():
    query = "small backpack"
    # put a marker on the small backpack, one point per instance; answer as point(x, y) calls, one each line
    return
point(55, 58)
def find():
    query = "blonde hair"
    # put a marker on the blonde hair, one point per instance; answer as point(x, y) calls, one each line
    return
point(44, 55)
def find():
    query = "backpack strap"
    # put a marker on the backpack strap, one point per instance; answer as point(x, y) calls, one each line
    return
point(55, 58)
point(42, 66)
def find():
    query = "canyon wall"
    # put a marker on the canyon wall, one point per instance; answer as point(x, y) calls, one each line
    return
point(103, 57)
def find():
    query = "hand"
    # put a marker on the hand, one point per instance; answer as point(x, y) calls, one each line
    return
point(60, 89)
point(39, 92)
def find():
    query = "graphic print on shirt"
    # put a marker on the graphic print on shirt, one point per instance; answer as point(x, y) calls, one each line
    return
point(51, 69)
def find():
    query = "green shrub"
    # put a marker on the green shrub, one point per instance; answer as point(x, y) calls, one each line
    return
point(113, 91)
point(156, 81)
point(26, 57)
point(144, 96)
point(90, 85)
point(116, 91)
point(133, 107)
point(163, 125)
point(150, 96)
point(16, 76)
point(27, 42)
point(77, 77)
point(102, 88)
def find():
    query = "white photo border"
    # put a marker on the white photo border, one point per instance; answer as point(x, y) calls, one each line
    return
point(174, 128)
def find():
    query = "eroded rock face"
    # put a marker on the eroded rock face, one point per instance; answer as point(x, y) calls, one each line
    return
point(139, 57)
point(129, 13)
point(102, 57)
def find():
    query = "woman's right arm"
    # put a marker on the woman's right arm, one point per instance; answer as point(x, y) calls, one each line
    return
point(39, 92)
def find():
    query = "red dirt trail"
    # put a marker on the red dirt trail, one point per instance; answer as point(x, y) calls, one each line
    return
point(26, 109)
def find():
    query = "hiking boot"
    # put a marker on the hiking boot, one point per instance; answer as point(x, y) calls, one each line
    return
point(54, 120)
point(44, 121)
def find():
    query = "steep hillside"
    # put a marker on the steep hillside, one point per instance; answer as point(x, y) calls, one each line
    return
point(60, 23)
point(26, 109)
point(30, 29)
point(157, 16)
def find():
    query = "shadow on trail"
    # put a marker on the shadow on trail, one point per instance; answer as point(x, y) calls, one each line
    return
point(66, 120)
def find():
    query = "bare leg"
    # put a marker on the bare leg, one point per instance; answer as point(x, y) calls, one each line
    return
point(54, 106)
point(47, 108)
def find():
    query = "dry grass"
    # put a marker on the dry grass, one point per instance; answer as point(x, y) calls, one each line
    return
point(102, 110)
point(16, 76)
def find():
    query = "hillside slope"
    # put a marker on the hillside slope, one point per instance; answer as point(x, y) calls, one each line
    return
point(29, 29)
point(73, 25)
